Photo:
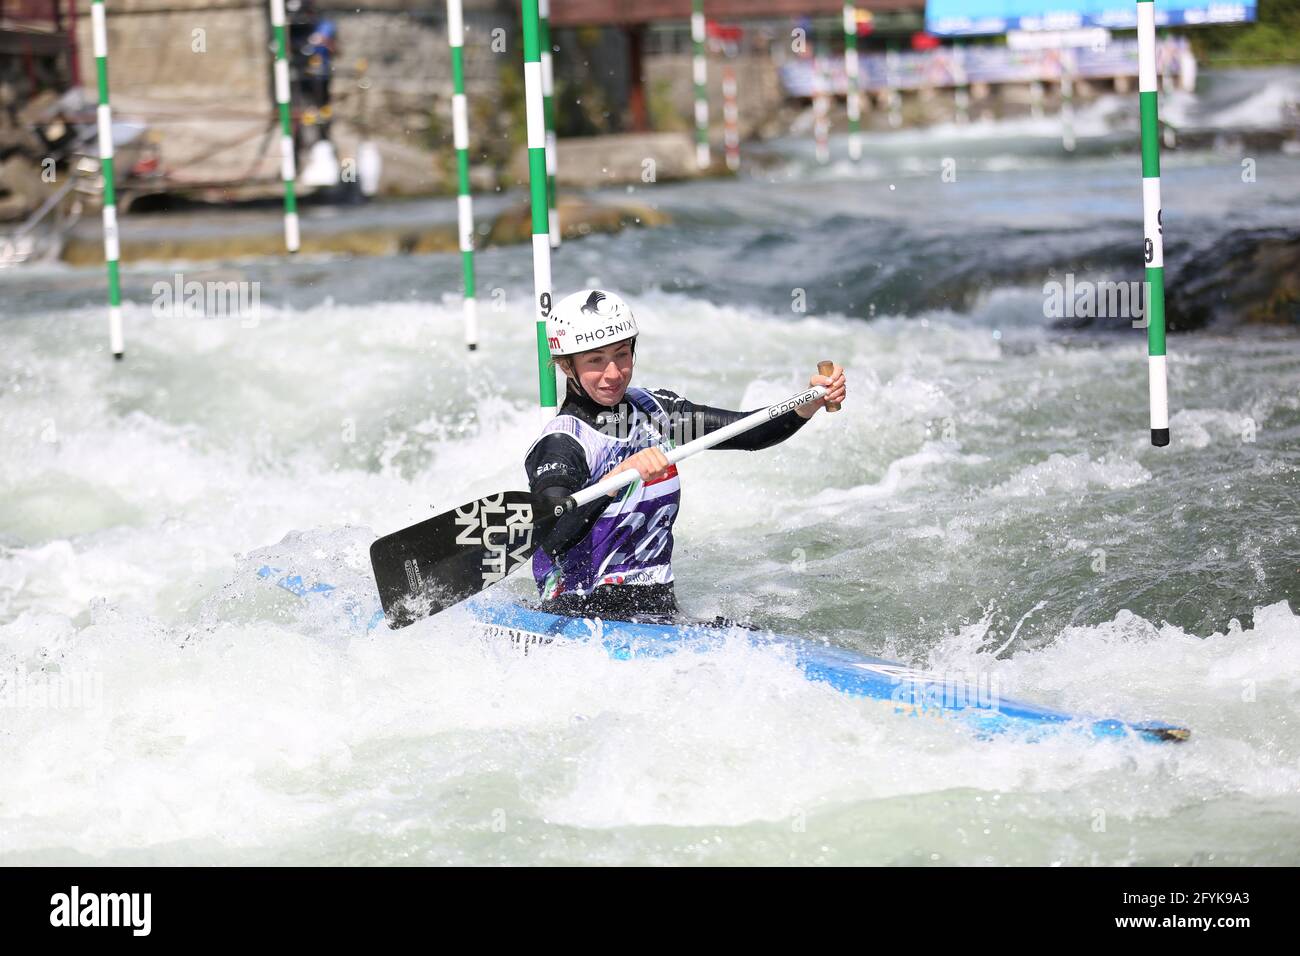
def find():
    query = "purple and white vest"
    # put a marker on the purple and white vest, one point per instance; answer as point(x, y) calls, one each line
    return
point(631, 543)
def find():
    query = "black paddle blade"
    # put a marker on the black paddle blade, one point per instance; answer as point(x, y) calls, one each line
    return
point(434, 564)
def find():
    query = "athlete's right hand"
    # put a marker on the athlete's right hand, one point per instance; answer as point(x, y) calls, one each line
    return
point(650, 463)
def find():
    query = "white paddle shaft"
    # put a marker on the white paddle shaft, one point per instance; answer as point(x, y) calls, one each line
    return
point(674, 455)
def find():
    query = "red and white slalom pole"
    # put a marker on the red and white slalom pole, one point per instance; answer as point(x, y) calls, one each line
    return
point(821, 110)
point(730, 117)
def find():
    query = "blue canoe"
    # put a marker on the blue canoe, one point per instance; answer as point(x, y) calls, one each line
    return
point(911, 692)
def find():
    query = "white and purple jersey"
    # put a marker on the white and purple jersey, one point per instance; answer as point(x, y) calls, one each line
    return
point(630, 541)
point(625, 540)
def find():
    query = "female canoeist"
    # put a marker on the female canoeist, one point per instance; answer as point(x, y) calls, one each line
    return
point(612, 559)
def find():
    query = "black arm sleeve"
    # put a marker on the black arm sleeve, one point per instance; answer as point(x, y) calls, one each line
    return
point(556, 468)
point(693, 421)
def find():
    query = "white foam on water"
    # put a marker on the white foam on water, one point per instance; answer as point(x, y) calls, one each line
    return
point(235, 722)
point(1198, 427)
point(1265, 106)
point(1073, 473)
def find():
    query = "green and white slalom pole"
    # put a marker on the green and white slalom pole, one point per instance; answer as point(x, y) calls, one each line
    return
point(700, 73)
point(1166, 66)
point(1067, 100)
point(537, 190)
point(961, 94)
point(104, 117)
point(821, 108)
point(1152, 225)
point(548, 108)
point(895, 99)
point(460, 139)
point(288, 166)
point(851, 95)
point(1036, 91)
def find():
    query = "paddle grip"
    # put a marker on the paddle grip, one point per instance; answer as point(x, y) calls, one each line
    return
point(826, 368)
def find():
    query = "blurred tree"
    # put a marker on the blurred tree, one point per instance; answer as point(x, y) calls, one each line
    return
point(665, 117)
point(1274, 38)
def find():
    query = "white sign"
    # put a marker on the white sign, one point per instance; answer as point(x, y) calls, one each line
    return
point(1096, 38)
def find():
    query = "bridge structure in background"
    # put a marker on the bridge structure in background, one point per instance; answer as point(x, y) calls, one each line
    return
point(633, 17)
point(577, 13)
point(36, 43)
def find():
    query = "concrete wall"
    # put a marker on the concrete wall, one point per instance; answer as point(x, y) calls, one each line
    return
point(758, 92)
point(198, 73)
point(150, 48)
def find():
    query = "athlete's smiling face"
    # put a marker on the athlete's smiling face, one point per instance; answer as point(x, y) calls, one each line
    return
point(605, 372)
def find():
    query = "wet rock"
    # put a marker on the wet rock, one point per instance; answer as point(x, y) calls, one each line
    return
point(577, 218)
point(1247, 276)
point(182, 242)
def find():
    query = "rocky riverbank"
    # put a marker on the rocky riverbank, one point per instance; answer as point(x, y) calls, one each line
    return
point(382, 229)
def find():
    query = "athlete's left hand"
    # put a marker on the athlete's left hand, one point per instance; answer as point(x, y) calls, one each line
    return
point(650, 463)
point(835, 391)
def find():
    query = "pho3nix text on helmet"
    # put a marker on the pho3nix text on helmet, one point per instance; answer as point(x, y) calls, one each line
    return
point(587, 320)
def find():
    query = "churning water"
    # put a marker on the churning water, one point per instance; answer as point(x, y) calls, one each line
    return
point(988, 487)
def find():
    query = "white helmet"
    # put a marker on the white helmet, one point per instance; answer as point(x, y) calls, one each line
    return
point(587, 320)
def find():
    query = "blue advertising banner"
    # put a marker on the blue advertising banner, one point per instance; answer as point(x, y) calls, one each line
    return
point(978, 17)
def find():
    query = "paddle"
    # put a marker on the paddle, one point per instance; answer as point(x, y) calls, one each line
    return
point(439, 562)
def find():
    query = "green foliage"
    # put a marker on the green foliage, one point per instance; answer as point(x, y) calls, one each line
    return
point(585, 111)
point(513, 106)
point(436, 137)
point(664, 115)
point(437, 130)
point(1274, 38)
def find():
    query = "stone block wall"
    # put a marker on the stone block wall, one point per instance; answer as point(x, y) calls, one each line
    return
point(199, 74)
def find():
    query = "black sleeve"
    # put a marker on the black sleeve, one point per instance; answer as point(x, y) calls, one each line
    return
point(692, 421)
point(556, 468)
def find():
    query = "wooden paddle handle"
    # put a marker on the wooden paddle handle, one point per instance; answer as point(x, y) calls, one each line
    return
point(826, 368)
